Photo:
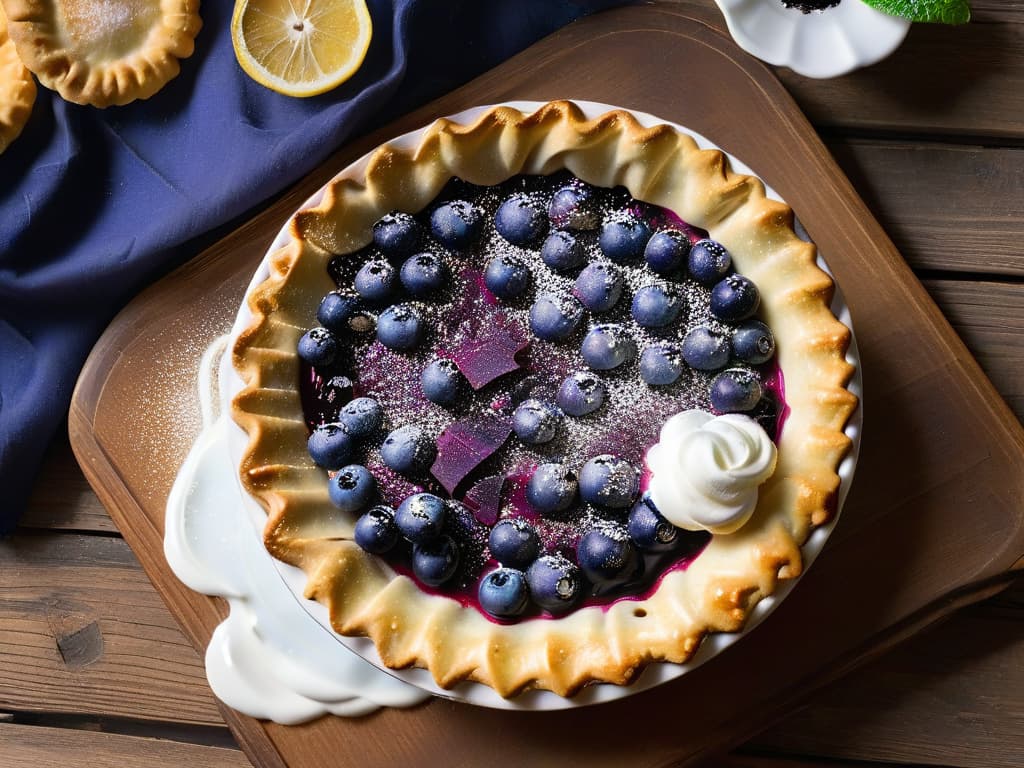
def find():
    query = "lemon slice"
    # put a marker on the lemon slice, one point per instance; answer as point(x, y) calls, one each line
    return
point(300, 47)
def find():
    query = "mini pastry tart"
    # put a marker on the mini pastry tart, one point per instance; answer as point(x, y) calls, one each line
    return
point(612, 642)
point(103, 53)
point(17, 89)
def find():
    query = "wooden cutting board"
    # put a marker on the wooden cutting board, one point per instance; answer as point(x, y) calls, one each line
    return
point(935, 518)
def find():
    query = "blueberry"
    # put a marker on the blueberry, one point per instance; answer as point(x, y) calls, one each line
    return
point(408, 450)
point(574, 207)
point(562, 251)
point(397, 234)
point(606, 554)
point(503, 593)
point(551, 488)
point(705, 348)
point(332, 393)
point(400, 327)
point(658, 305)
point(648, 529)
point(457, 224)
point(376, 280)
point(520, 220)
point(581, 393)
point(362, 417)
point(318, 347)
point(506, 276)
point(598, 286)
point(376, 531)
point(535, 421)
point(666, 251)
point(709, 262)
point(352, 488)
point(331, 446)
point(435, 561)
point(420, 517)
point(753, 343)
point(624, 236)
point(734, 298)
point(609, 481)
point(423, 274)
point(735, 390)
point(607, 346)
point(514, 542)
point(661, 364)
point(337, 309)
point(554, 582)
point(442, 382)
point(554, 318)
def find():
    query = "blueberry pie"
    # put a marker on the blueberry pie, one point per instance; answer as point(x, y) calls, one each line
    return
point(543, 400)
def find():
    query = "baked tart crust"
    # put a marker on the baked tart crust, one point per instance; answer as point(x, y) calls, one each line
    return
point(610, 643)
point(103, 52)
point(17, 89)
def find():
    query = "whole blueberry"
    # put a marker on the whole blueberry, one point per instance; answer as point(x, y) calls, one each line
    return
point(376, 280)
point(362, 417)
point(503, 593)
point(506, 276)
point(521, 220)
point(658, 305)
point(400, 327)
point(606, 554)
point(735, 390)
point(456, 224)
point(734, 298)
point(376, 531)
point(705, 348)
point(648, 529)
point(442, 382)
point(609, 481)
point(514, 542)
point(607, 346)
point(581, 393)
point(535, 421)
point(624, 236)
point(709, 262)
point(598, 286)
point(753, 343)
point(336, 309)
point(661, 364)
point(555, 583)
point(318, 347)
point(666, 251)
point(423, 274)
point(397, 234)
point(408, 450)
point(421, 516)
point(435, 561)
point(562, 251)
point(554, 318)
point(330, 445)
point(574, 207)
point(551, 488)
point(352, 488)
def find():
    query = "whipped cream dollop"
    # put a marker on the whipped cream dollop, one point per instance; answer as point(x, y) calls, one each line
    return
point(706, 469)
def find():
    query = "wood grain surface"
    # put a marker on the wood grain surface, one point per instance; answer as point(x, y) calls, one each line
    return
point(950, 696)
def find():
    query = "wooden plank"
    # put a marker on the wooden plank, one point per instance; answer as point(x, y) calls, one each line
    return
point(955, 694)
point(82, 630)
point(30, 746)
point(973, 225)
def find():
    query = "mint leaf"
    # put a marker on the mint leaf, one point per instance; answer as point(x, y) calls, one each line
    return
point(937, 11)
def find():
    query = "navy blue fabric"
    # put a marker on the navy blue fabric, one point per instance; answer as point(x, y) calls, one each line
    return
point(94, 204)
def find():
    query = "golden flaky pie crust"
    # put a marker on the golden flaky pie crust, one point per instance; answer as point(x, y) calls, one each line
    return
point(103, 52)
point(717, 592)
point(17, 89)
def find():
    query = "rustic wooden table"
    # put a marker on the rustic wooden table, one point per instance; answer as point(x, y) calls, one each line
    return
point(93, 669)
